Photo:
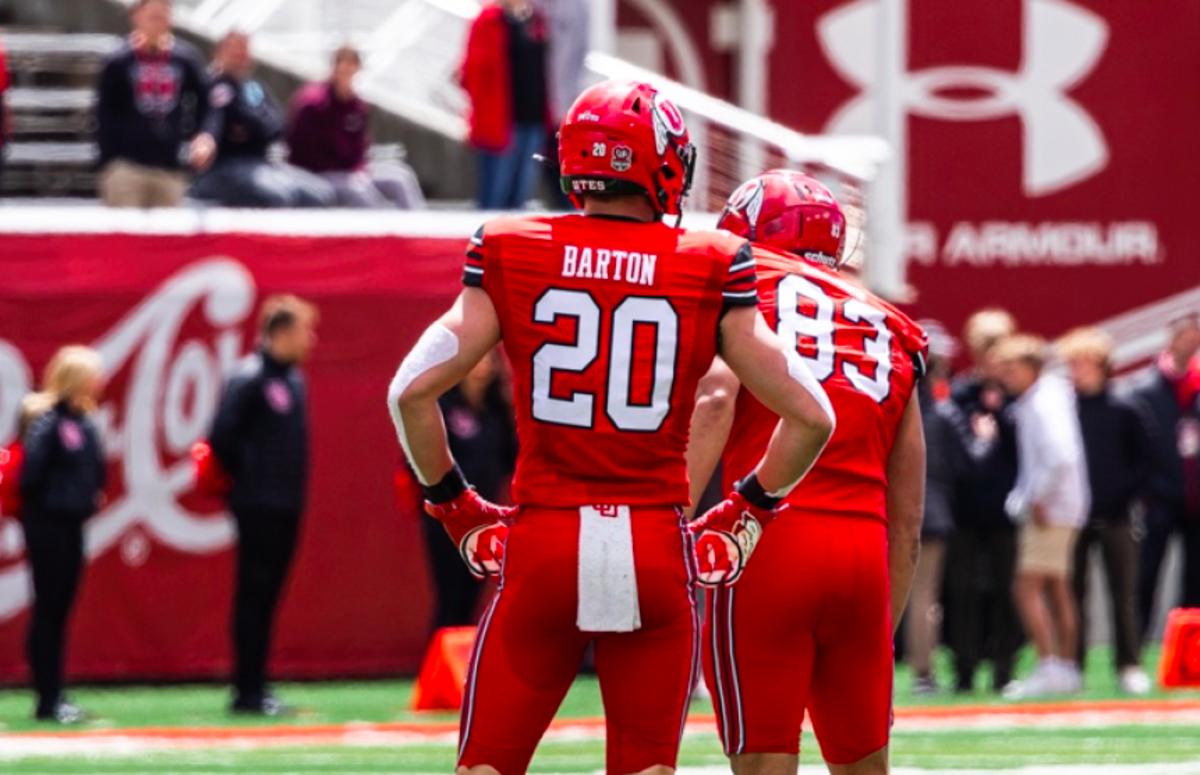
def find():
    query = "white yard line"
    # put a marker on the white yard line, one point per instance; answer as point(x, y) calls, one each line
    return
point(18, 746)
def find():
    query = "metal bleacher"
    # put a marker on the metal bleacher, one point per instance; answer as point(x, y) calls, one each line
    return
point(52, 152)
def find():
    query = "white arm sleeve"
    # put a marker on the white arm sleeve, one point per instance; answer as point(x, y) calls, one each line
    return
point(436, 346)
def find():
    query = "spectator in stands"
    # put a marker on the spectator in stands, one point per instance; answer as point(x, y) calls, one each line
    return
point(260, 437)
point(62, 482)
point(328, 135)
point(480, 428)
point(981, 620)
point(1049, 503)
point(945, 441)
point(569, 42)
point(504, 74)
point(242, 122)
point(152, 93)
point(1168, 393)
point(1118, 457)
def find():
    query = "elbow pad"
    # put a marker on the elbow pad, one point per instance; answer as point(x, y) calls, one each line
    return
point(800, 372)
point(436, 346)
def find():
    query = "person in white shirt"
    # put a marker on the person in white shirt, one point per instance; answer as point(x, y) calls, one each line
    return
point(1050, 505)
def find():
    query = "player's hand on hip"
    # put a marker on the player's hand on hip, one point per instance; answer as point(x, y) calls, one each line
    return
point(478, 527)
point(726, 536)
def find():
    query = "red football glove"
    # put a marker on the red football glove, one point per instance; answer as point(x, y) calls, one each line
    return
point(725, 538)
point(479, 528)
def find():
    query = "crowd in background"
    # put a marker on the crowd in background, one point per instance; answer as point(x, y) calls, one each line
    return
point(171, 126)
point(1037, 456)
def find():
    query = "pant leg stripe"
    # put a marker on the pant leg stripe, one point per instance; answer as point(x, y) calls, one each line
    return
point(715, 604)
point(734, 680)
point(468, 712)
point(688, 559)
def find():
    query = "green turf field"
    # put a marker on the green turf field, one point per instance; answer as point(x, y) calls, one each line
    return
point(1057, 742)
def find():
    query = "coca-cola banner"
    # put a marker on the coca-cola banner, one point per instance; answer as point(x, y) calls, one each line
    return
point(170, 309)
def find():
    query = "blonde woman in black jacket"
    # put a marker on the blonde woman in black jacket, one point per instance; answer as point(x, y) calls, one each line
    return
point(61, 482)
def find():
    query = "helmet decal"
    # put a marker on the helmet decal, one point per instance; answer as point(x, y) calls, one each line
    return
point(668, 123)
point(622, 158)
point(749, 200)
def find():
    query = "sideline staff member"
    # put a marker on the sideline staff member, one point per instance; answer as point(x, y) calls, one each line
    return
point(62, 479)
point(260, 437)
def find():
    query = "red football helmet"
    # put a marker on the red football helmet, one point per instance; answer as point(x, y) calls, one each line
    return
point(626, 138)
point(789, 211)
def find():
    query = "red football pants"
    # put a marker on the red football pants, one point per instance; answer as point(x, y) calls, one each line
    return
point(808, 627)
point(529, 649)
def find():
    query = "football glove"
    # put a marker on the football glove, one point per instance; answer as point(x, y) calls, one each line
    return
point(478, 527)
point(726, 535)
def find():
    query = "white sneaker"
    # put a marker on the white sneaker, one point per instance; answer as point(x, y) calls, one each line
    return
point(1067, 677)
point(1042, 682)
point(1133, 680)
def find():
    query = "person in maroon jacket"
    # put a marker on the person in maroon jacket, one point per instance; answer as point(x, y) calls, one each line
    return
point(329, 135)
point(504, 74)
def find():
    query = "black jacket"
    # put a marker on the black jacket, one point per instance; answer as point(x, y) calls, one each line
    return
point(148, 106)
point(260, 436)
point(1155, 396)
point(243, 117)
point(63, 473)
point(982, 492)
point(482, 440)
point(1118, 453)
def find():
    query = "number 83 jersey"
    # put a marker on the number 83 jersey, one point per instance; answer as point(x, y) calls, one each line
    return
point(609, 325)
point(868, 356)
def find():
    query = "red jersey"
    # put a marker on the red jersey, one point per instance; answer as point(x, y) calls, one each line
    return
point(609, 325)
point(867, 355)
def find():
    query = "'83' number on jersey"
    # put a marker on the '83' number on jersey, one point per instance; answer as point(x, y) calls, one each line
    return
point(869, 371)
point(622, 410)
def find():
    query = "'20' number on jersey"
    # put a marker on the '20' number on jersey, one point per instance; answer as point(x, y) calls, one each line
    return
point(819, 328)
point(577, 411)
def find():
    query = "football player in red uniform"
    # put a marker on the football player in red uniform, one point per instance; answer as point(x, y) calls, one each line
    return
point(809, 625)
point(610, 319)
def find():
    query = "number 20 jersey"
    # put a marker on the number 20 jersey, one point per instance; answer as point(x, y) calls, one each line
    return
point(868, 356)
point(609, 325)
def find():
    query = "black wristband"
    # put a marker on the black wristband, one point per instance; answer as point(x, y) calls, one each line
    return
point(453, 484)
point(752, 490)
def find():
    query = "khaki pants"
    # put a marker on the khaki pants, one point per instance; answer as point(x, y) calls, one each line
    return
point(125, 184)
point(1047, 550)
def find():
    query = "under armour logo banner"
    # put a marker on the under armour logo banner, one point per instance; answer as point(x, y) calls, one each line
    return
point(1062, 44)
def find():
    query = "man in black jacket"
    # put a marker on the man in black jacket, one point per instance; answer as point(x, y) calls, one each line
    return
point(981, 555)
point(1118, 460)
point(152, 94)
point(242, 122)
point(260, 437)
point(1166, 394)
